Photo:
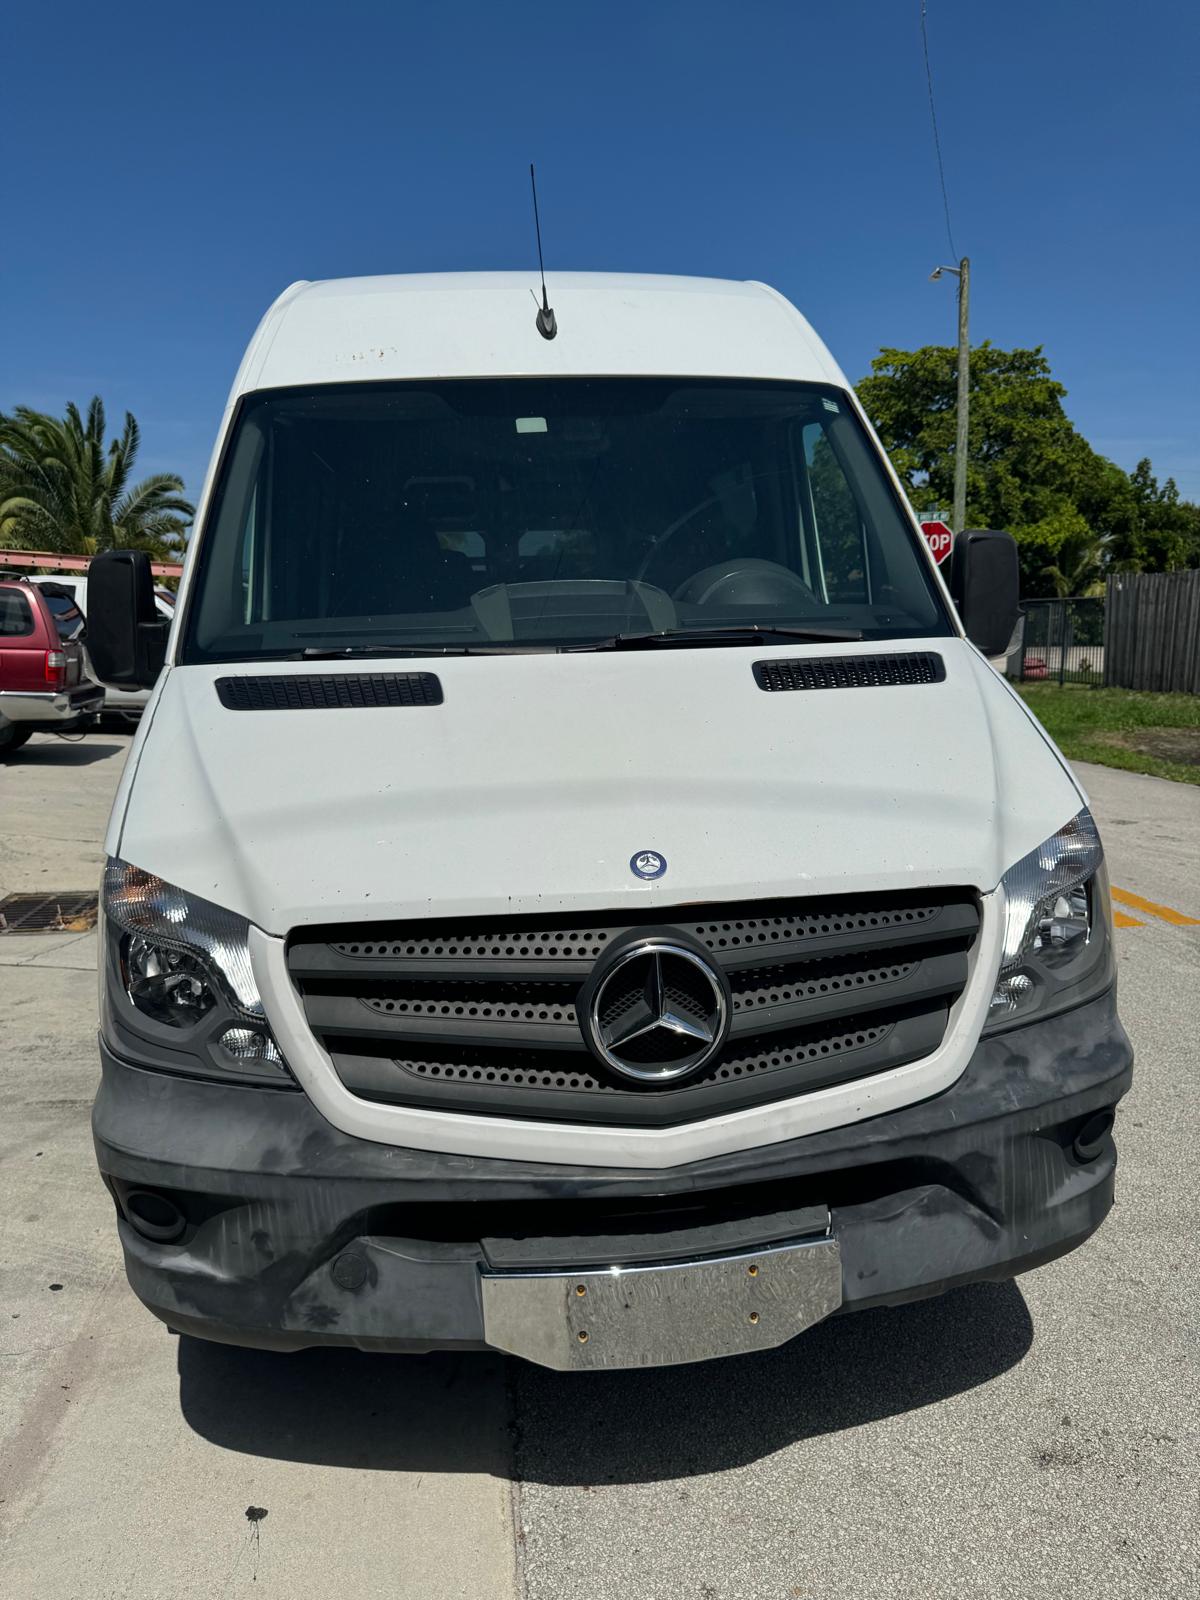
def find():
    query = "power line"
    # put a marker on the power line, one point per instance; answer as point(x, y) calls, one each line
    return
point(937, 143)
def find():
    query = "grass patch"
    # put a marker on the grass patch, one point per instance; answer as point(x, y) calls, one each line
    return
point(1154, 733)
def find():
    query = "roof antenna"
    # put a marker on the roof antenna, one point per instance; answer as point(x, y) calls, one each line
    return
point(546, 324)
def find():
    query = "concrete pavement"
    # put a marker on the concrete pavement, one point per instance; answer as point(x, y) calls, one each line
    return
point(1029, 1439)
point(129, 1458)
point(1010, 1440)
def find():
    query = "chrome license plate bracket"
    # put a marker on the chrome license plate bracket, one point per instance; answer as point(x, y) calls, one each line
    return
point(662, 1314)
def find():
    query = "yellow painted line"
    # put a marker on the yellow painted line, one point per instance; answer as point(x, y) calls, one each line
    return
point(1120, 920)
point(1163, 913)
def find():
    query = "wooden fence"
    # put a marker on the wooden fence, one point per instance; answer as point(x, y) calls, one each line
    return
point(1152, 631)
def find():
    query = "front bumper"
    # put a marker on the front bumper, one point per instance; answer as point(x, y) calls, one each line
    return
point(297, 1234)
point(51, 708)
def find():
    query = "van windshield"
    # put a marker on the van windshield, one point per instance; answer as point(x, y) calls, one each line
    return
point(532, 513)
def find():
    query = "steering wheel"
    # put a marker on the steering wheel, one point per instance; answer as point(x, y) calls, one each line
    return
point(738, 580)
point(745, 581)
point(660, 545)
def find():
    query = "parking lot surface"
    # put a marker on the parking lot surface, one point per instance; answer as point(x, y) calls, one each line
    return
point(1021, 1440)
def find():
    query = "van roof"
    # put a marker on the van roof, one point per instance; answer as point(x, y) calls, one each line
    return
point(481, 324)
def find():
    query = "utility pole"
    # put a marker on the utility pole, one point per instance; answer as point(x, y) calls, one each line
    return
point(964, 398)
point(962, 412)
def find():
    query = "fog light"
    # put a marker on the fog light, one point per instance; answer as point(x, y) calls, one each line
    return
point(1093, 1136)
point(154, 1215)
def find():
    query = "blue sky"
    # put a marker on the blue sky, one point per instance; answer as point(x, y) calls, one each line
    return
point(171, 169)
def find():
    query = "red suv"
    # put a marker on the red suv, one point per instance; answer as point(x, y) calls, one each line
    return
point(42, 686)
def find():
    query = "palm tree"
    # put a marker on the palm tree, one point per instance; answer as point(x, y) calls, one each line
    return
point(63, 490)
point(1082, 560)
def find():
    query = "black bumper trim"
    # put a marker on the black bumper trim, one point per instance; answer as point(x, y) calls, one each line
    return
point(977, 1183)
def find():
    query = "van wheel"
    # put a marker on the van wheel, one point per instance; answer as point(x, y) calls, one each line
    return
point(12, 737)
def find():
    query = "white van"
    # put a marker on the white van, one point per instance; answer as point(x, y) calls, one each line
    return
point(579, 887)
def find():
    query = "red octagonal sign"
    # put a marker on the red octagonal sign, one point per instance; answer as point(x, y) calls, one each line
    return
point(939, 539)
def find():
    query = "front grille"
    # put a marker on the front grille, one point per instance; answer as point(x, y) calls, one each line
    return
point(484, 1015)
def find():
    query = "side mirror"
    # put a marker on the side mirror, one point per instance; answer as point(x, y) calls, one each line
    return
point(985, 582)
point(126, 637)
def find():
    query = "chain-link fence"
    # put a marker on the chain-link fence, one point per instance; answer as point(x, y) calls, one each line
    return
point(1061, 641)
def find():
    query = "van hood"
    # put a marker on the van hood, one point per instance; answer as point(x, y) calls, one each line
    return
point(539, 777)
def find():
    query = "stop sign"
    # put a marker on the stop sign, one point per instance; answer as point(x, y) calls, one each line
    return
point(939, 539)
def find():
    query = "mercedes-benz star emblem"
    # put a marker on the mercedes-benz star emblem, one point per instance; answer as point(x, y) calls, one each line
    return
point(659, 1011)
point(648, 864)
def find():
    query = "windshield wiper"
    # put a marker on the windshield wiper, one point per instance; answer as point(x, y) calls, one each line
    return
point(348, 652)
point(719, 636)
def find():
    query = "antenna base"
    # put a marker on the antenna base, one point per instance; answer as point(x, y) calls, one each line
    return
point(546, 325)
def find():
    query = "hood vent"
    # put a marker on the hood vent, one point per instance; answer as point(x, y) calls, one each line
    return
point(850, 672)
point(323, 691)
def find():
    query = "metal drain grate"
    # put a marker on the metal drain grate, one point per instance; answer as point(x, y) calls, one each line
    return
point(53, 911)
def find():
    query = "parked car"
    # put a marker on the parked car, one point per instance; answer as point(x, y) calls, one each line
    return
point(71, 590)
point(43, 688)
point(582, 889)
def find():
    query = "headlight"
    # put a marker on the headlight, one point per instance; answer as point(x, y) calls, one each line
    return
point(1057, 932)
point(169, 985)
point(183, 964)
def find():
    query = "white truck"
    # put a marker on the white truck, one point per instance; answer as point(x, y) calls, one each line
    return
point(578, 887)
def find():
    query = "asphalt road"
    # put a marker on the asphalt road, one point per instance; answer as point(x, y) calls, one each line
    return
point(1029, 1439)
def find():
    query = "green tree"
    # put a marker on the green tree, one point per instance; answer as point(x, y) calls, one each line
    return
point(1160, 532)
point(64, 489)
point(1073, 513)
point(839, 521)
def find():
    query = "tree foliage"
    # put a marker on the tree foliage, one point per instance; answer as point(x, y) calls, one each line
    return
point(64, 489)
point(1075, 514)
